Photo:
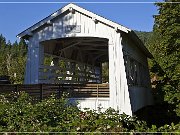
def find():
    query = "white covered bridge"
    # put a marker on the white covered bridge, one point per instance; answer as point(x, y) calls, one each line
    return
point(69, 47)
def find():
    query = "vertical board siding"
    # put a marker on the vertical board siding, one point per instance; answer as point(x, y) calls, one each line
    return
point(119, 94)
point(83, 24)
point(88, 27)
point(27, 79)
point(137, 93)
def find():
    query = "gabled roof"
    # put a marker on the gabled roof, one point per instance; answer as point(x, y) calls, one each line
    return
point(76, 8)
point(90, 14)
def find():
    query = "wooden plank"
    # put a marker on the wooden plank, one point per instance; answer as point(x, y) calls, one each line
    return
point(88, 95)
point(34, 94)
point(75, 90)
point(7, 88)
point(95, 91)
point(50, 86)
point(50, 90)
point(48, 76)
point(62, 82)
point(63, 70)
point(29, 89)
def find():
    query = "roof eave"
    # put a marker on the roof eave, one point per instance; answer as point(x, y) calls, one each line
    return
point(43, 21)
point(76, 8)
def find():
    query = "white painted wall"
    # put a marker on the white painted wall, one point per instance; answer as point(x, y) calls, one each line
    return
point(119, 94)
point(139, 96)
point(91, 103)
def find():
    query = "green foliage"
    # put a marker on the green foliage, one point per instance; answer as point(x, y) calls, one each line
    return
point(165, 46)
point(167, 26)
point(105, 72)
point(144, 36)
point(21, 113)
point(13, 59)
point(170, 128)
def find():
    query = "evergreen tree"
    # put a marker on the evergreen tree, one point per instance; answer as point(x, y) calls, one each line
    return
point(3, 70)
point(13, 59)
point(2, 42)
point(144, 36)
point(164, 45)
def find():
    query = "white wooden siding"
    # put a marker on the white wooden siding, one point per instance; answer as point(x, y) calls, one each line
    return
point(92, 103)
point(119, 94)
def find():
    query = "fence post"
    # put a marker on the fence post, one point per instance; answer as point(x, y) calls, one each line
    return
point(41, 92)
point(97, 90)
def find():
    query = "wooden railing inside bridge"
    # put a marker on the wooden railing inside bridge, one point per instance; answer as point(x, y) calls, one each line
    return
point(68, 71)
point(41, 91)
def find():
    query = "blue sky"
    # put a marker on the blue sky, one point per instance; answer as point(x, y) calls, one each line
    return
point(16, 17)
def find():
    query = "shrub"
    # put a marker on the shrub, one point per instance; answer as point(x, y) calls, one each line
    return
point(21, 113)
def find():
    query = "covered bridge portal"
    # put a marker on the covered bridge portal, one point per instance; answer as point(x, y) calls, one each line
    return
point(73, 60)
point(69, 47)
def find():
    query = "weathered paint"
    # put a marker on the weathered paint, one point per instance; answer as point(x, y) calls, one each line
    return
point(119, 95)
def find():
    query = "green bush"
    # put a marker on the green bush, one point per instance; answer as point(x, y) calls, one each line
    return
point(21, 113)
